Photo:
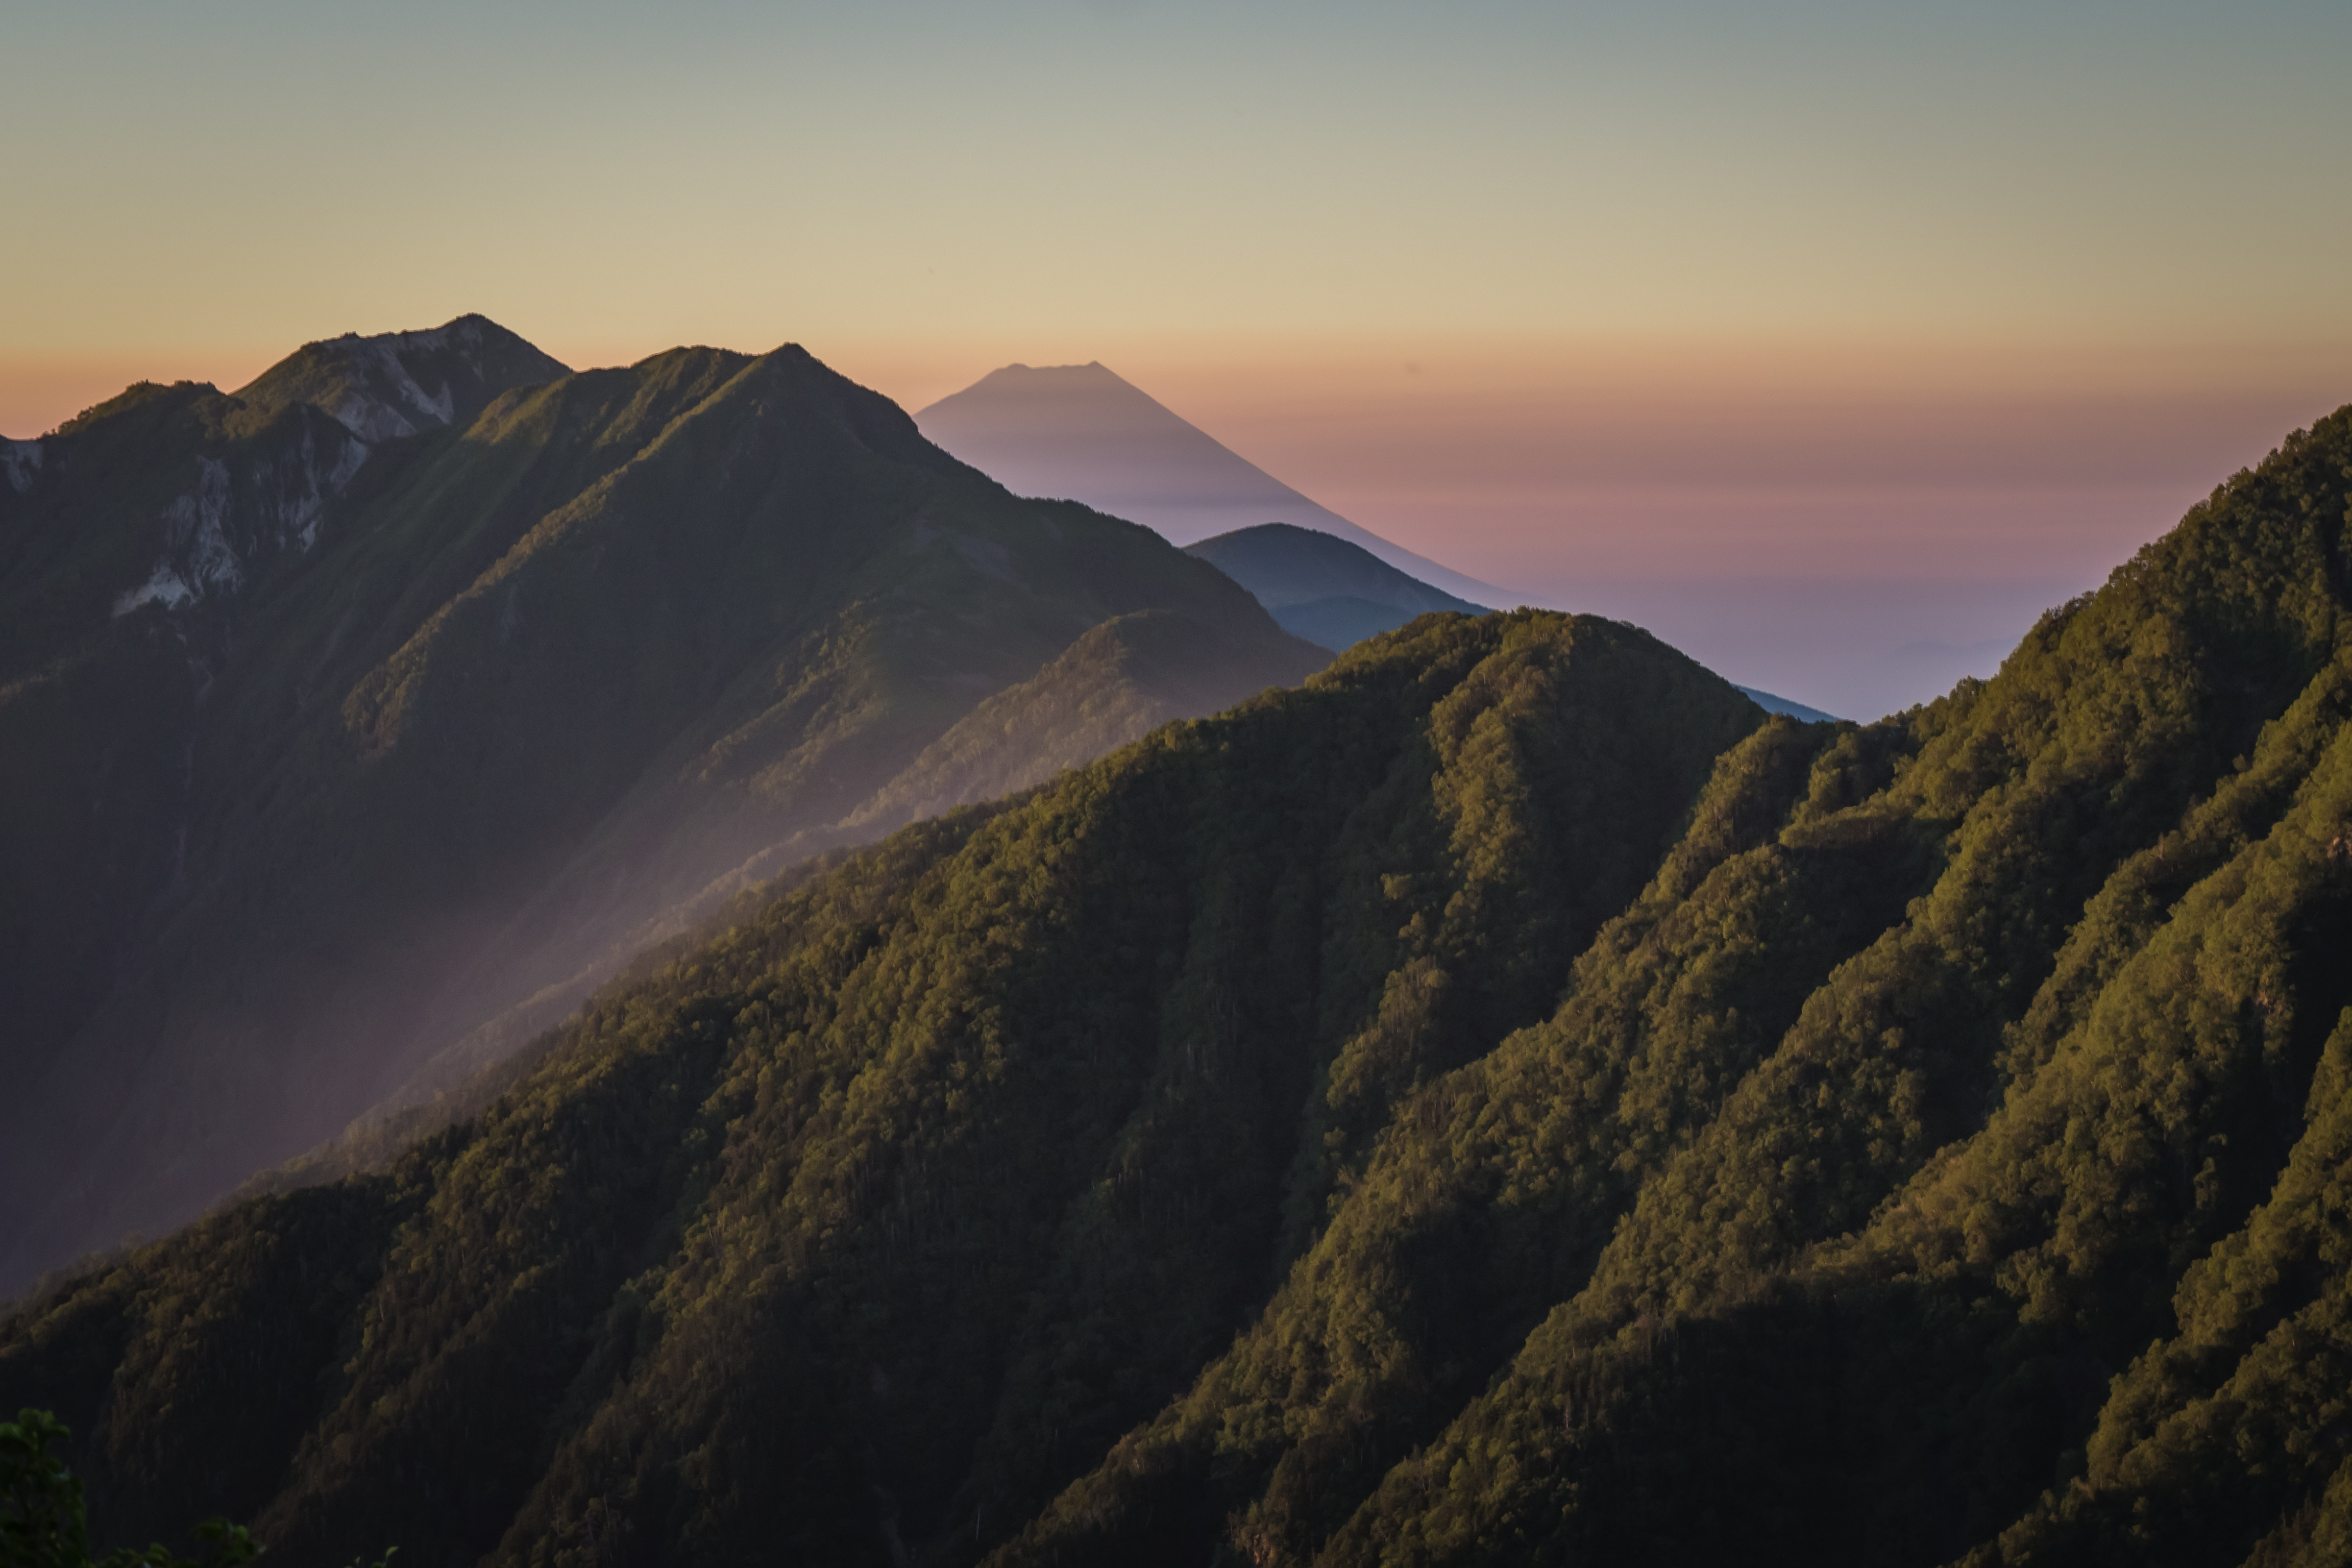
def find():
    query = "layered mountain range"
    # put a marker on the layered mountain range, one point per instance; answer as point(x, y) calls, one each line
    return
point(1321, 587)
point(355, 724)
point(1506, 1099)
point(1335, 594)
point(1087, 432)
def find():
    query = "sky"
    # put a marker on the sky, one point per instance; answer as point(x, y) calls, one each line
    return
point(1787, 328)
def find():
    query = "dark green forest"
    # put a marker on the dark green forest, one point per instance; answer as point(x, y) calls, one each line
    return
point(1507, 1100)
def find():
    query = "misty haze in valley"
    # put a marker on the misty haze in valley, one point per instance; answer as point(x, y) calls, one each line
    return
point(421, 685)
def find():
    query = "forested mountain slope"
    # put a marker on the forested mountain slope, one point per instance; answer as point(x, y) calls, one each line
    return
point(343, 715)
point(1508, 1101)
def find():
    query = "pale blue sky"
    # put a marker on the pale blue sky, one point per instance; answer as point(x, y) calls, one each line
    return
point(257, 172)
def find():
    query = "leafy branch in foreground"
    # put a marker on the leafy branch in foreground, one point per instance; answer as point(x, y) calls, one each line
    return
point(44, 1522)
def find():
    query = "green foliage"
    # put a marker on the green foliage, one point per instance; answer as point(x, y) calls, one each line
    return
point(44, 1522)
point(1508, 1101)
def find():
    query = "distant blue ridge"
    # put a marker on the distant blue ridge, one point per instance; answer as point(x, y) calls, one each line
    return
point(1771, 704)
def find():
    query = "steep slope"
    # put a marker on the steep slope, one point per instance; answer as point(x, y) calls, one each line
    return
point(988, 1135)
point(1902, 1115)
point(400, 383)
point(1507, 1100)
point(173, 498)
point(1119, 682)
point(1081, 431)
point(130, 541)
point(431, 726)
point(1122, 679)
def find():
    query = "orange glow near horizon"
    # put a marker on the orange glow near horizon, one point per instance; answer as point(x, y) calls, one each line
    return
point(1817, 293)
point(1545, 463)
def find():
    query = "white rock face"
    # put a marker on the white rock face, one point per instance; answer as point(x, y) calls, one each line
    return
point(294, 491)
point(354, 454)
point(164, 588)
point(395, 402)
point(197, 529)
point(213, 532)
point(245, 509)
point(22, 460)
point(371, 420)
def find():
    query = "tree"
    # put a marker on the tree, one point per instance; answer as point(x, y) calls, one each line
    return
point(45, 1524)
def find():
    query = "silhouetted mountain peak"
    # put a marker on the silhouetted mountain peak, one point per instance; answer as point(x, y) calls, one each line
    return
point(1085, 433)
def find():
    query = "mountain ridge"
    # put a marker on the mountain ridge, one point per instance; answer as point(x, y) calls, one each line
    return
point(1507, 1097)
point(401, 732)
point(375, 386)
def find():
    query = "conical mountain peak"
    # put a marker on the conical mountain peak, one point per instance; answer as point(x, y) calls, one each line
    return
point(1087, 433)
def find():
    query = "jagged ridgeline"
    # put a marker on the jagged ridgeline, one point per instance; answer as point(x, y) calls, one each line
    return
point(1508, 1101)
point(352, 727)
